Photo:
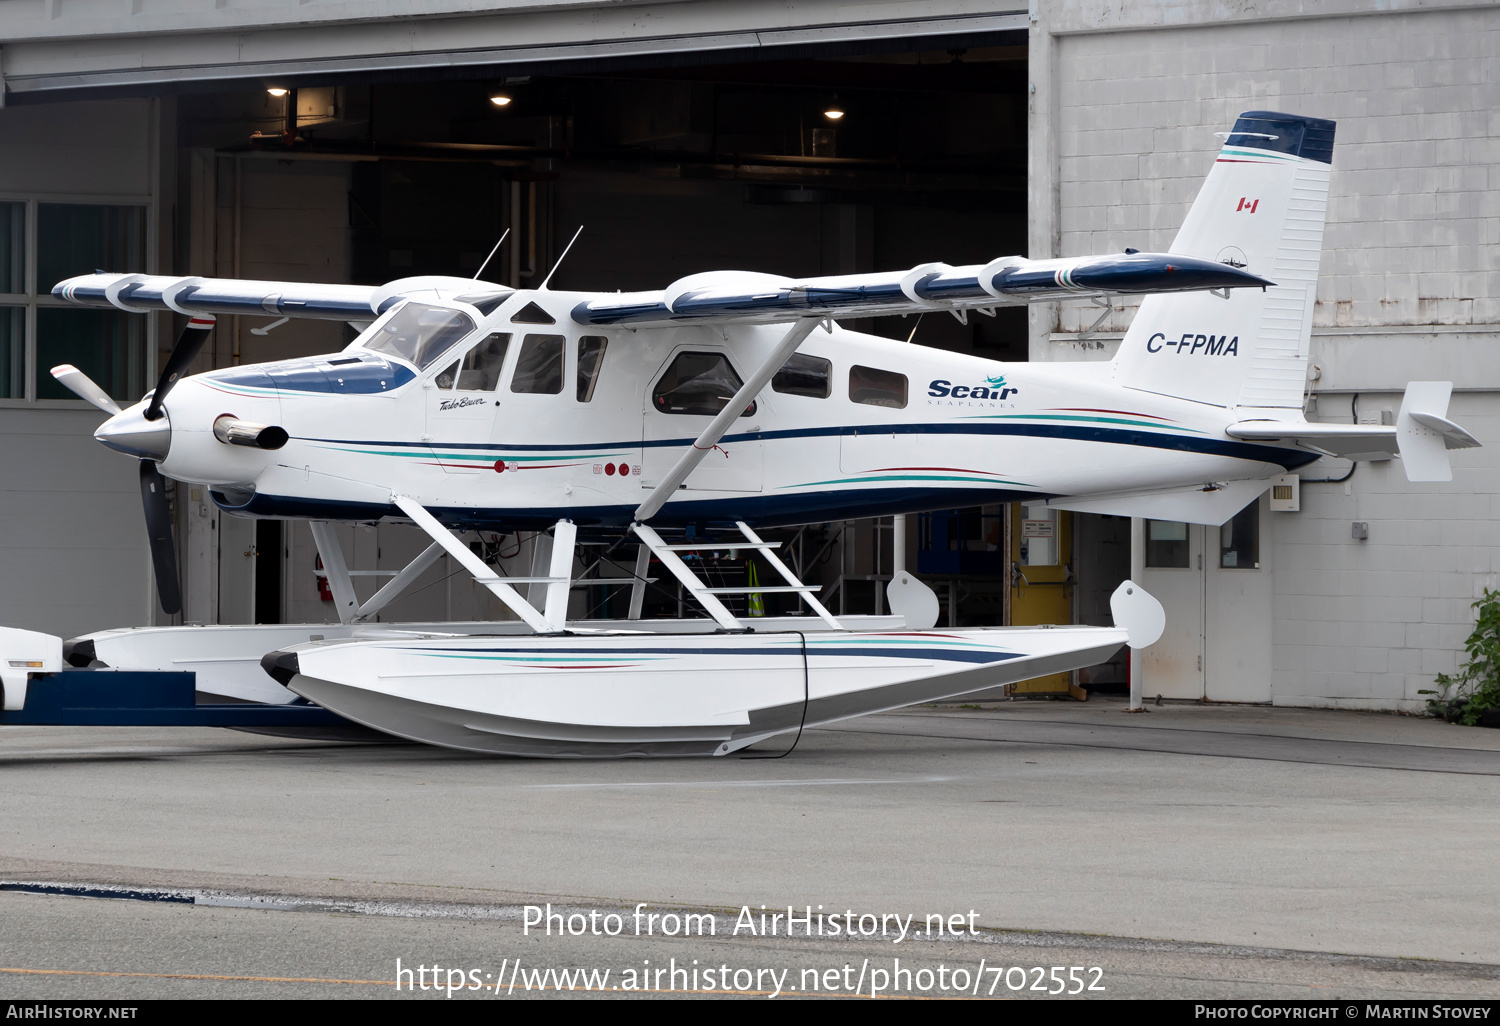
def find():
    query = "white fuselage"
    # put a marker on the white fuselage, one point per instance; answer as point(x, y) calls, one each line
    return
point(365, 425)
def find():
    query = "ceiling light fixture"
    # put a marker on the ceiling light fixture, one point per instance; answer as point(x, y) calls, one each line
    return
point(276, 91)
point(500, 100)
point(834, 110)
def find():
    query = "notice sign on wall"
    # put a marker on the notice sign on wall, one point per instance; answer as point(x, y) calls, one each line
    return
point(1038, 529)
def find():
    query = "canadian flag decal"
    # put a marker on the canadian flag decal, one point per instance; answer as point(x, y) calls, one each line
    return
point(1247, 204)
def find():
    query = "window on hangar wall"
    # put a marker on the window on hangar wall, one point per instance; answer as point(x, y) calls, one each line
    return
point(42, 243)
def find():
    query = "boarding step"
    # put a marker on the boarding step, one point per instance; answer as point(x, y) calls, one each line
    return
point(722, 546)
point(756, 589)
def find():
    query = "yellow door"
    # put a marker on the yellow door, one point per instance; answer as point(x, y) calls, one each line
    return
point(1041, 588)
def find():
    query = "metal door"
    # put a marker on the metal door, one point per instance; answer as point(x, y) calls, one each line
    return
point(1041, 579)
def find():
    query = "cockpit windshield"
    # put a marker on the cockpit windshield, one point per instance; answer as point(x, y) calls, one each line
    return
point(420, 333)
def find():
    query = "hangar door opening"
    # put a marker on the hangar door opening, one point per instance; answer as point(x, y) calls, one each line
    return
point(798, 162)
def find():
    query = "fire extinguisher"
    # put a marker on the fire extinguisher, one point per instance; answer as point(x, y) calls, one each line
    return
point(325, 593)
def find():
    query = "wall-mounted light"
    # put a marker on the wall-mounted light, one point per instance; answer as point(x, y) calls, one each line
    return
point(500, 99)
point(834, 111)
point(276, 91)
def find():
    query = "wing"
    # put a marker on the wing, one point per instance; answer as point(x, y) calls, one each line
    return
point(748, 297)
point(712, 297)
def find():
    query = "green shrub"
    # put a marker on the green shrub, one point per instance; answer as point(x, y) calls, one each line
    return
point(1476, 686)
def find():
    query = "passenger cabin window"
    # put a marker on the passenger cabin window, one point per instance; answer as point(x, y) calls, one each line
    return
point(539, 368)
point(804, 375)
point(697, 384)
point(873, 387)
point(479, 371)
point(420, 334)
point(590, 359)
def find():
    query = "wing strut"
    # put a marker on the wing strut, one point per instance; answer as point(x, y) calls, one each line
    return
point(727, 416)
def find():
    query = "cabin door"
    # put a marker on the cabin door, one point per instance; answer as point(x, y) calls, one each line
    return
point(461, 407)
point(690, 389)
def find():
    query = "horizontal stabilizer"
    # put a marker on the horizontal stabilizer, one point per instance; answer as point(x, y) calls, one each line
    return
point(1421, 436)
point(1454, 437)
point(1211, 504)
point(1346, 441)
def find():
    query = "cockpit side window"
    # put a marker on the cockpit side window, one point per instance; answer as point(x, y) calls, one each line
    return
point(420, 334)
point(590, 358)
point(697, 383)
point(481, 367)
point(539, 367)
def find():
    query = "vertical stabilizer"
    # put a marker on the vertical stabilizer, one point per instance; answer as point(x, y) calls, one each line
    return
point(1262, 207)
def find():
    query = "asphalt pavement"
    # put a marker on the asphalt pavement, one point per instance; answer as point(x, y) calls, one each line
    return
point(1193, 851)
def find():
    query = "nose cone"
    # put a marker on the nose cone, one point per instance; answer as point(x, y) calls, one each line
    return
point(134, 435)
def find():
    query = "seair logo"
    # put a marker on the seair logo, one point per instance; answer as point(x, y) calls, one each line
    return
point(1191, 344)
point(995, 389)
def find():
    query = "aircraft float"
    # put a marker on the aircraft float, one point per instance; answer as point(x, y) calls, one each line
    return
point(695, 417)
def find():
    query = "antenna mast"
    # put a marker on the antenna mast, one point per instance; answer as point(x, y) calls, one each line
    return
point(543, 286)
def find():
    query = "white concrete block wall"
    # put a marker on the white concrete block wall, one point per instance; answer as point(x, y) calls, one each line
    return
point(1414, 211)
point(73, 552)
point(1368, 624)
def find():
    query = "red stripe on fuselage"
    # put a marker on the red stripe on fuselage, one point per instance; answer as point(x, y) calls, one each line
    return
point(1123, 413)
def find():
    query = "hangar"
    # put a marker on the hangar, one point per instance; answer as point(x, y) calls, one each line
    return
point(360, 142)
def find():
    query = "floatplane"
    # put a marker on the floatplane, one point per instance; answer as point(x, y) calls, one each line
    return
point(696, 417)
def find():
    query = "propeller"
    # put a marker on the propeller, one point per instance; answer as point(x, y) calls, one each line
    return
point(189, 344)
point(81, 385)
point(153, 485)
point(159, 531)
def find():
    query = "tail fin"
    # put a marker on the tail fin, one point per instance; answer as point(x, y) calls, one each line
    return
point(1262, 207)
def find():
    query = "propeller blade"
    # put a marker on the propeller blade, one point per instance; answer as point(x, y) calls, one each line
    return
point(81, 385)
point(159, 530)
point(189, 343)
